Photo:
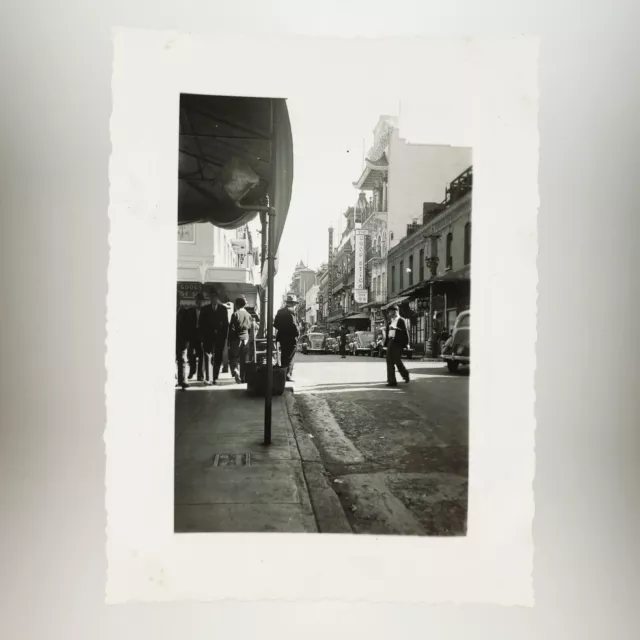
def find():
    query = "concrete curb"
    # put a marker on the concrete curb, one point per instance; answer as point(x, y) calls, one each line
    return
point(330, 517)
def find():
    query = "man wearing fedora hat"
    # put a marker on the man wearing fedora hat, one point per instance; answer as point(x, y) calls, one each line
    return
point(397, 338)
point(240, 327)
point(218, 333)
point(286, 325)
point(194, 326)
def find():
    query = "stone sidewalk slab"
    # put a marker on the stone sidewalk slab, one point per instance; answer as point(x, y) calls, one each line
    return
point(226, 479)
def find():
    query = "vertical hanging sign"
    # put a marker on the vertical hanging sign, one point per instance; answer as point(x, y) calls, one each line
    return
point(330, 284)
point(359, 289)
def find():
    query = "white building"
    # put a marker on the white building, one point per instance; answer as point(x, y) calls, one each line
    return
point(401, 177)
point(226, 259)
point(311, 311)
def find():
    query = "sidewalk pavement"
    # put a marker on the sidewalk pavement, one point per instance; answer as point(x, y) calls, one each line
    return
point(227, 480)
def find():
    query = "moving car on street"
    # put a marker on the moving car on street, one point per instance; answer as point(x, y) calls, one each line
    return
point(314, 343)
point(361, 343)
point(380, 351)
point(456, 351)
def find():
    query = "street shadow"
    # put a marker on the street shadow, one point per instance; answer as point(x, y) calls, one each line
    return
point(347, 387)
point(439, 371)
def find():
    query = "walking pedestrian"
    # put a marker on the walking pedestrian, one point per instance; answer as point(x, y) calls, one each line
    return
point(217, 334)
point(239, 328)
point(194, 320)
point(182, 345)
point(397, 339)
point(286, 325)
point(344, 334)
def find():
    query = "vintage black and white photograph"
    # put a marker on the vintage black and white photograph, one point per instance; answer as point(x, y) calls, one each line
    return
point(323, 321)
point(302, 216)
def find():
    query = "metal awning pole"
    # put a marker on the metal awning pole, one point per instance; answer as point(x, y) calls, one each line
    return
point(263, 255)
point(268, 397)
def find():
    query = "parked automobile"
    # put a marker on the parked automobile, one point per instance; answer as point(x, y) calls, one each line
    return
point(332, 345)
point(380, 351)
point(361, 343)
point(314, 343)
point(456, 351)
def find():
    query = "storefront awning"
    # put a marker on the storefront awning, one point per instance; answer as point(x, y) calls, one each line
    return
point(234, 152)
point(461, 275)
point(398, 300)
point(357, 316)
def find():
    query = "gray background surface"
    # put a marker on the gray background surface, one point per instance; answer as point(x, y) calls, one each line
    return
point(54, 150)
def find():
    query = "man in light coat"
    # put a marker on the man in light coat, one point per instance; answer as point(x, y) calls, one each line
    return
point(397, 338)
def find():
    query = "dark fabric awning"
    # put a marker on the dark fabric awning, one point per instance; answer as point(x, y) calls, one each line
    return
point(357, 316)
point(459, 277)
point(234, 152)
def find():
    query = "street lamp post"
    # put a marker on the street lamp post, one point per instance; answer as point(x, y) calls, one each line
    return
point(431, 263)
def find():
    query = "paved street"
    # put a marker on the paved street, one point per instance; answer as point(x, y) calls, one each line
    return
point(396, 457)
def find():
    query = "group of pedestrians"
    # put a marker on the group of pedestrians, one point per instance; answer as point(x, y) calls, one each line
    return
point(203, 332)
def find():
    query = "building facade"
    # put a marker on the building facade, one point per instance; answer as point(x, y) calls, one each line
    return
point(429, 269)
point(302, 280)
point(225, 259)
point(401, 176)
point(344, 307)
point(311, 306)
point(323, 298)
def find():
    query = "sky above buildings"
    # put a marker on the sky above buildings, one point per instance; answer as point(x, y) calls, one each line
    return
point(328, 138)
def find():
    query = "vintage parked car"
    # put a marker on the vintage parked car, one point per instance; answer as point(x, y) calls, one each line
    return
point(361, 343)
point(456, 351)
point(332, 345)
point(314, 343)
point(380, 350)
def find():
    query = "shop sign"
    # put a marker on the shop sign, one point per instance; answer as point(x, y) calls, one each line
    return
point(360, 242)
point(331, 269)
point(188, 290)
point(239, 246)
point(361, 296)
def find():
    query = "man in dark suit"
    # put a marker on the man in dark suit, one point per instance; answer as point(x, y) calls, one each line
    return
point(182, 344)
point(397, 338)
point(195, 326)
point(286, 325)
point(217, 331)
point(344, 335)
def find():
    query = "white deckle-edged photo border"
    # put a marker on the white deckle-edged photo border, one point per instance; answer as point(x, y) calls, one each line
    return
point(475, 93)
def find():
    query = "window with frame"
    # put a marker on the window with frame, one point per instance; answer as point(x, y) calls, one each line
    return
point(393, 278)
point(467, 243)
point(401, 275)
point(410, 270)
point(449, 248)
point(421, 265)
